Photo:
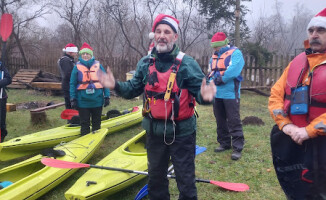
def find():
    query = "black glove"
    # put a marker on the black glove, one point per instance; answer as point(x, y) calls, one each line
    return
point(106, 101)
point(218, 80)
point(73, 103)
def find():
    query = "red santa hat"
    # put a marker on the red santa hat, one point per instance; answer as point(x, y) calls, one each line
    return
point(86, 48)
point(70, 47)
point(219, 39)
point(318, 20)
point(164, 19)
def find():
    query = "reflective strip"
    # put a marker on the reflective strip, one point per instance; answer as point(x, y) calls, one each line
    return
point(279, 112)
point(321, 126)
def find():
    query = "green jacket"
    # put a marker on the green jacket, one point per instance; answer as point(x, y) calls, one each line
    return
point(189, 76)
point(87, 100)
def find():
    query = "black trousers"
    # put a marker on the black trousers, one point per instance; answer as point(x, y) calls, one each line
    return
point(290, 160)
point(3, 118)
point(182, 154)
point(229, 127)
point(66, 96)
point(85, 114)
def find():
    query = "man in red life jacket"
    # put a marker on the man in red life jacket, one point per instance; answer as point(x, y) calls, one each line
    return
point(171, 82)
point(298, 106)
point(226, 65)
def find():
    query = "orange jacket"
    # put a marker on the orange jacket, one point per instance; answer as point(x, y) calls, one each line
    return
point(276, 100)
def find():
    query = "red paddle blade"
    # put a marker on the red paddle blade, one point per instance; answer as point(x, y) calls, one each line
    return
point(6, 25)
point(134, 109)
point(63, 164)
point(238, 187)
point(69, 113)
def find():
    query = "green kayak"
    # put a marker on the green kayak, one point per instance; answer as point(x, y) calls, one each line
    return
point(98, 183)
point(30, 179)
point(35, 142)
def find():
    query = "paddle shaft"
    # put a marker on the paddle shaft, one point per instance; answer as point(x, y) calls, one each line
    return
point(119, 169)
point(240, 187)
point(141, 172)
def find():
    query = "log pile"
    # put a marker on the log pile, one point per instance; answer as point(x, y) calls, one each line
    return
point(35, 79)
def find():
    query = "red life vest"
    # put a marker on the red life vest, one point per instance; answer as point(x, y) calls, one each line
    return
point(317, 89)
point(221, 63)
point(87, 77)
point(156, 88)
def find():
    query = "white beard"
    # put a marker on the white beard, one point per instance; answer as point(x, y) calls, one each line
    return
point(166, 48)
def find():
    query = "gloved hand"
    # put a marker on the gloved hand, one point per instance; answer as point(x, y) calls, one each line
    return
point(106, 101)
point(73, 103)
point(218, 80)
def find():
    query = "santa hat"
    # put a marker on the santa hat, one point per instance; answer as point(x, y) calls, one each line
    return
point(219, 39)
point(164, 19)
point(70, 48)
point(85, 48)
point(318, 20)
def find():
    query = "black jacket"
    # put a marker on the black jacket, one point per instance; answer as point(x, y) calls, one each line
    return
point(66, 64)
point(6, 80)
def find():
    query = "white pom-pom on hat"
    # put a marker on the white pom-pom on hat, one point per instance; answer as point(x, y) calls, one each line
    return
point(151, 35)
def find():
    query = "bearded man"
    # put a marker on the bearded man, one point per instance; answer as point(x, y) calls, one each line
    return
point(172, 82)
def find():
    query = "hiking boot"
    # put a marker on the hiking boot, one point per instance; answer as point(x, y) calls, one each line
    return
point(221, 148)
point(236, 155)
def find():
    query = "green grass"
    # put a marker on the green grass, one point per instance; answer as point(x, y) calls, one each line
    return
point(255, 168)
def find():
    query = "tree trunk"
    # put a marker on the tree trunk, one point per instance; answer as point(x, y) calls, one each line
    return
point(20, 49)
point(237, 23)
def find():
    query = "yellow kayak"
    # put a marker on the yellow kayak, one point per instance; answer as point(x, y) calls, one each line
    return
point(98, 183)
point(34, 143)
point(31, 179)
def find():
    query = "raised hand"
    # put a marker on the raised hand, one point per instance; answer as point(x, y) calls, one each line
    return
point(106, 79)
point(207, 91)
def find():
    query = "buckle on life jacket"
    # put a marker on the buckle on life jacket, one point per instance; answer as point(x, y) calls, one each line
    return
point(146, 109)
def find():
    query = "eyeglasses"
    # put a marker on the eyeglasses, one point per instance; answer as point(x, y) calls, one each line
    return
point(319, 30)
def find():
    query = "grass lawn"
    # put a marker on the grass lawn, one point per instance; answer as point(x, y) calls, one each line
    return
point(255, 168)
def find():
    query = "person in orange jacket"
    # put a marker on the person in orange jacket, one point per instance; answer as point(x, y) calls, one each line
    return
point(298, 106)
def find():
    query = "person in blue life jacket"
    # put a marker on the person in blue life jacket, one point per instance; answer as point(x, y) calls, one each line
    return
point(87, 94)
point(226, 65)
point(66, 63)
point(5, 79)
point(172, 83)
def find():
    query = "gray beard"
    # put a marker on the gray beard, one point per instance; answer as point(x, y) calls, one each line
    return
point(163, 49)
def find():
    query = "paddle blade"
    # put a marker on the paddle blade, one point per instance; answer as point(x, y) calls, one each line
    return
point(200, 149)
point(142, 193)
point(238, 187)
point(63, 164)
point(6, 25)
point(69, 113)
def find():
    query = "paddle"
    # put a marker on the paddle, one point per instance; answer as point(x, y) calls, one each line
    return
point(238, 187)
point(6, 25)
point(68, 114)
point(143, 192)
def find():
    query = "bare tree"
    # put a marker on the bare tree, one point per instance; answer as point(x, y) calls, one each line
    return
point(132, 18)
point(23, 17)
point(76, 13)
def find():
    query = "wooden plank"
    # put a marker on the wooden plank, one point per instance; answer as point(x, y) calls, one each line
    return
point(47, 107)
point(17, 86)
point(47, 85)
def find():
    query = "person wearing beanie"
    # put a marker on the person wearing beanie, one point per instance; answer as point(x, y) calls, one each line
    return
point(225, 66)
point(86, 92)
point(298, 106)
point(66, 64)
point(169, 118)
